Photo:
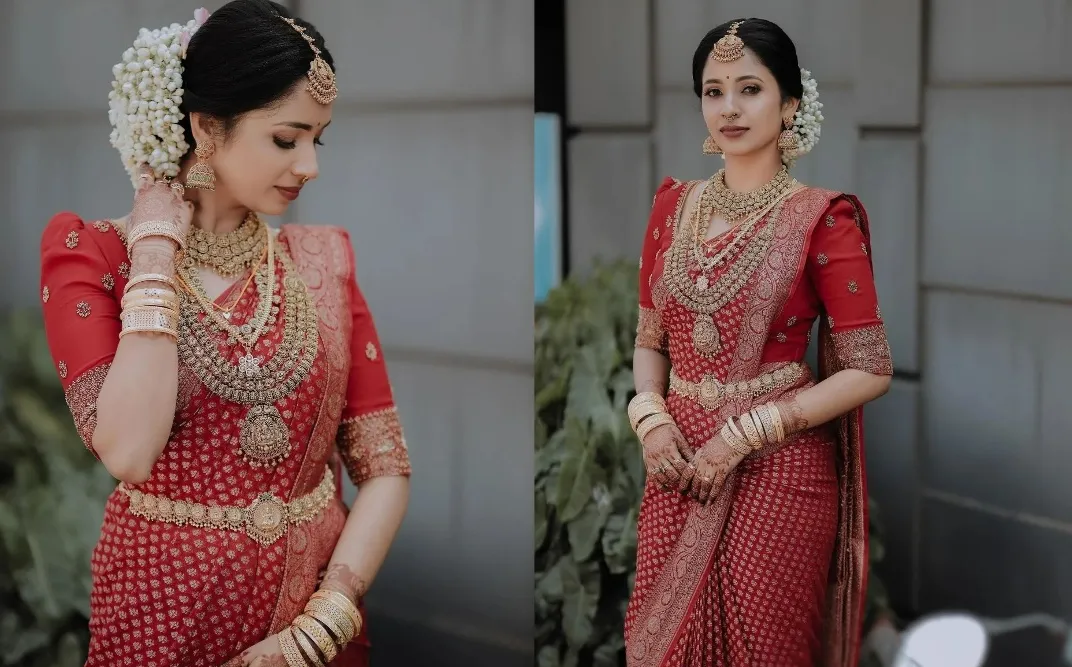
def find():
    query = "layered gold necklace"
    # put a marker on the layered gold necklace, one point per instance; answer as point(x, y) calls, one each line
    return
point(230, 254)
point(744, 252)
point(264, 438)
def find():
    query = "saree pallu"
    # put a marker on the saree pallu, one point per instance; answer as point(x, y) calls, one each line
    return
point(171, 594)
point(773, 572)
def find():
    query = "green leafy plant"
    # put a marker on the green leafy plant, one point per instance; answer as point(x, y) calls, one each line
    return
point(52, 494)
point(589, 471)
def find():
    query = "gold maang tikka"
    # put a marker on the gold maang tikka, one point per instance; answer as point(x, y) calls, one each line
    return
point(730, 47)
point(321, 77)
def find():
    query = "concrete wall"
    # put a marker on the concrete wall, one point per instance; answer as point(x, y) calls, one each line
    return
point(430, 153)
point(950, 119)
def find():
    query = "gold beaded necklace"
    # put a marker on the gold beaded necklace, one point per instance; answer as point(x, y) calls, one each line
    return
point(736, 206)
point(229, 254)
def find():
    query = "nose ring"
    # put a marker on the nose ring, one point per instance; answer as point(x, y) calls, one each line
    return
point(304, 180)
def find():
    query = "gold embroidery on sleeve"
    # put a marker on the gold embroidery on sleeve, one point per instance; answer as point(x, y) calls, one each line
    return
point(62, 366)
point(81, 398)
point(102, 226)
point(124, 269)
point(44, 294)
point(373, 445)
point(822, 259)
point(865, 349)
point(853, 286)
point(650, 333)
point(370, 351)
point(83, 310)
point(108, 280)
point(72, 240)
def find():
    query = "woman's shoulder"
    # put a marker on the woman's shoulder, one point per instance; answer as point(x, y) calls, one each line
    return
point(320, 245)
point(69, 230)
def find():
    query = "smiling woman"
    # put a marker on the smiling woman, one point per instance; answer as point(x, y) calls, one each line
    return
point(755, 492)
point(226, 372)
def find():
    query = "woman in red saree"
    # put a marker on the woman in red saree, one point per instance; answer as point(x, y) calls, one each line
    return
point(227, 373)
point(752, 547)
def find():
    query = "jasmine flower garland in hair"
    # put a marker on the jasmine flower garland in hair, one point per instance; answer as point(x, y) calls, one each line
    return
point(143, 105)
point(808, 120)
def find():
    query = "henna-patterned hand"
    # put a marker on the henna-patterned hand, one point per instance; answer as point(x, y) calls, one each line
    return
point(266, 653)
point(667, 455)
point(159, 201)
point(712, 463)
point(341, 579)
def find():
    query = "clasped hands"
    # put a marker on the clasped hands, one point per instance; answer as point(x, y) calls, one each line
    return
point(674, 464)
point(699, 473)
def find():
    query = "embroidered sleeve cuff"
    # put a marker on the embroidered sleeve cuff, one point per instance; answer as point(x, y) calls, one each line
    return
point(372, 445)
point(650, 333)
point(81, 397)
point(865, 349)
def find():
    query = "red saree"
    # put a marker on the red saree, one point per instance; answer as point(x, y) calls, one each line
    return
point(166, 593)
point(774, 571)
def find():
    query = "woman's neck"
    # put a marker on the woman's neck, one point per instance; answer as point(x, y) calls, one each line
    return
point(214, 216)
point(745, 173)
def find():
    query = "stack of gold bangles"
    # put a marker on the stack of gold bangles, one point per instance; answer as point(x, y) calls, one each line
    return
point(755, 429)
point(329, 623)
point(647, 412)
point(150, 309)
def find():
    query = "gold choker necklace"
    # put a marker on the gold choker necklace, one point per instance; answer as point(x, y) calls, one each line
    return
point(230, 254)
point(736, 206)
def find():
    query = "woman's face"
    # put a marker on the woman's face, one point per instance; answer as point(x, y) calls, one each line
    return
point(271, 153)
point(742, 105)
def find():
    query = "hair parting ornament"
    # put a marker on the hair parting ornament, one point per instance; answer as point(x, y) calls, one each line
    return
point(321, 78)
point(803, 132)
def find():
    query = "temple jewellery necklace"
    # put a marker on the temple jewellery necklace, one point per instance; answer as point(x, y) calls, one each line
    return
point(264, 438)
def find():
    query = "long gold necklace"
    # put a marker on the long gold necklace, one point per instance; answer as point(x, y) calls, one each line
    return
point(736, 206)
point(264, 438)
point(746, 252)
point(229, 254)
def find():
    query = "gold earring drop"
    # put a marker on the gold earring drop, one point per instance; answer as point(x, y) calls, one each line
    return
point(201, 176)
point(710, 147)
point(787, 140)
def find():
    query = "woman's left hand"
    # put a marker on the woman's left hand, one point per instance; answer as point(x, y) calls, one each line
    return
point(266, 653)
point(713, 463)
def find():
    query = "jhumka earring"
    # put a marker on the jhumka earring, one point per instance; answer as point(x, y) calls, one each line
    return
point(710, 147)
point(787, 140)
point(201, 175)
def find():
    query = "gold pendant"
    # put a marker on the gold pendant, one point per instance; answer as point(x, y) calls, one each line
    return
point(265, 437)
point(705, 336)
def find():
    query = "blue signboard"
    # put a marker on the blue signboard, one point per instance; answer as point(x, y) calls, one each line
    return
point(548, 197)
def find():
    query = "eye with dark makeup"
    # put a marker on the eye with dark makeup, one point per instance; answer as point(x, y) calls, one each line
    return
point(288, 145)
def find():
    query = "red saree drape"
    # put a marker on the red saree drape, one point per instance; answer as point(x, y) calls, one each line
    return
point(773, 572)
point(170, 595)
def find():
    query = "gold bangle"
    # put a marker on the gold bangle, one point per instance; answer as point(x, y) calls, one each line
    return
point(736, 444)
point(319, 636)
point(644, 405)
point(766, 416)
point(307, 647)
point(334, 619)
point(751, 433)
point(289, 646)
point(766, 431)
point(343, 603)
point(776, 418)
point(171, 305)
point(149, 278)
point(736, 429)
point(156, 228)
point(652, 423)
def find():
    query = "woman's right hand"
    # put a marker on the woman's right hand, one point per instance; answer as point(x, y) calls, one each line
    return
point(667, 455)
point(158, 200)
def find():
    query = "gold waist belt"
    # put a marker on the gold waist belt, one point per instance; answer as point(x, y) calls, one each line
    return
point(265, 519)
point(711, 393)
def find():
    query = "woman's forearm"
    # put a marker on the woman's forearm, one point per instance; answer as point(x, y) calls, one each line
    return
point(136, 404)
point(833, 397)
point(367, 536)
point(651, 371)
